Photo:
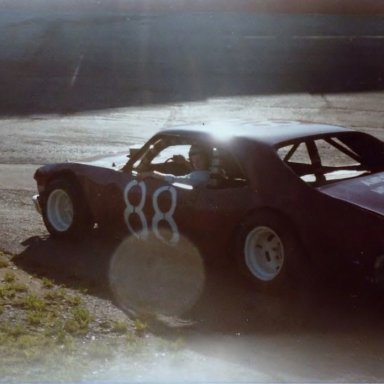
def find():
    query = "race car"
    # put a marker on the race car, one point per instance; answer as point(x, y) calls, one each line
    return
point(282, 200)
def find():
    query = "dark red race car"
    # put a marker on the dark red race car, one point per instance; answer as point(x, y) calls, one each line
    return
point(279, 197)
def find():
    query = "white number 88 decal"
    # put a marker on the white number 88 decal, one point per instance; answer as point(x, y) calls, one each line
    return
point(137, 209)
point(159, 215)
point(165, 216)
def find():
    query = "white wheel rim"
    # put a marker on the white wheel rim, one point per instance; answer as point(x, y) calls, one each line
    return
point(264, 253)
point(60, 210)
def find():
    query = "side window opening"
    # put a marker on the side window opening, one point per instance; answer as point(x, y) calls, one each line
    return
point(295, 153)
point(142, 163)
point(225, 171)
point(168, 152)
point(322, 161)
point(159, 156)
point(297, 157)
point(335, 154)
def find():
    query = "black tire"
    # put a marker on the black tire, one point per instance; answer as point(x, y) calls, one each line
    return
point(65, 214)
point(268, 252)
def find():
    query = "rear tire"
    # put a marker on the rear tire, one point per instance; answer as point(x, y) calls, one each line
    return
point(65, 214)
point(268, 252)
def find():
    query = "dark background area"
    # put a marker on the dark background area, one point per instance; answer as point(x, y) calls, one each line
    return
point(55, 61)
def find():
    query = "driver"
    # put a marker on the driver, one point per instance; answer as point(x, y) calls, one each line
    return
point(199, 161)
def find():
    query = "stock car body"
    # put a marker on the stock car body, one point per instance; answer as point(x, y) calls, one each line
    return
point(281, 197)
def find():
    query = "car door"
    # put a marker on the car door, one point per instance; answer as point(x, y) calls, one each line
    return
point(149, 203)
point(210, 215)
point(167, 212)
point(124, 203)
point(207, 215)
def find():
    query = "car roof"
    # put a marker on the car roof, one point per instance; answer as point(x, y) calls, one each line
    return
point(270, 133)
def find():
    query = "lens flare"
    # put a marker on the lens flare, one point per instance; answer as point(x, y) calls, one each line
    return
point(153, 277)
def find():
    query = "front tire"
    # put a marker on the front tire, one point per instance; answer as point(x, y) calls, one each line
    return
point(65, 214)
point(268, 252)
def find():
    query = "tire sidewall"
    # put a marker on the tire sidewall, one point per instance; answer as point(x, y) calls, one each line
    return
point(80, 220)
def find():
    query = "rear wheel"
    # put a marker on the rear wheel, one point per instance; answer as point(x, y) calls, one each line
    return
point(64, 212)
point(268, 252)
point(264, 253)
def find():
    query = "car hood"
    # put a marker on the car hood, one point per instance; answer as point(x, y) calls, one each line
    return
point(115, 161)
point(365, 191)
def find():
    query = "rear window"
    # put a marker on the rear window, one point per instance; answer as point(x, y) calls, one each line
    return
point(327, 159)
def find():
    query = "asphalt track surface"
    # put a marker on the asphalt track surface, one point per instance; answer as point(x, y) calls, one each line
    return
point(79, 86)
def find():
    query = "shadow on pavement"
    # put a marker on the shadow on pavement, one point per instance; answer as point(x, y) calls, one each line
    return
point(78, 265)
point(229, 306)
point(223, 304)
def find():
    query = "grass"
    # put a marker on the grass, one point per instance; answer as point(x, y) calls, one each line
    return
point(10, 290)
point(53, 327)
point(9, 277)
point(32, 302)
point(3, 262)
point(119, 326)
point(50, 333)
point(47, 283)
point(62, 295)
point(140, 326)
point(79, 322)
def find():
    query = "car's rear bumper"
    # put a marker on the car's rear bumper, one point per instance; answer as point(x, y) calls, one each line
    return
point(36, 203)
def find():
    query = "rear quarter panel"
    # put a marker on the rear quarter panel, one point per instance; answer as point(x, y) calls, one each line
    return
point(332, 232)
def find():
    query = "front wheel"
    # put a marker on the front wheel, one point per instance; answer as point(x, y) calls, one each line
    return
point(268, 251)
point(64, 213)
